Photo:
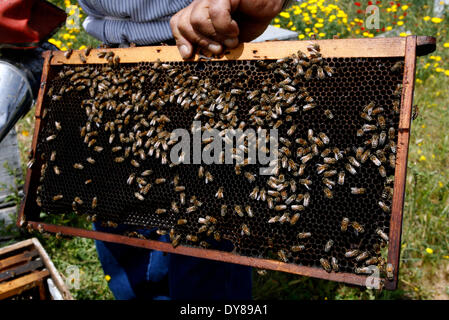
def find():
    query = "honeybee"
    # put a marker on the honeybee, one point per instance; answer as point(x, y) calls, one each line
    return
point(182, 198)
point(297, 207)
point(363, 270)
point(392, 160)
point(358, 227)
point(308, 106)
point(352, 253)
point(139, 196)
point(208, 177)
point(298, 248)
point(56, 170)
point(249, 211)
point(50, 138)
point(334, 263)
point(39, 201)
point(397, 66)
point(355, 190)
point(160, 211)
point(304, 235)
point(328, 114)
point(384, 207)
point(365, 156)
point(249, 176)
point(224, 209)
point(176, 240)
point(160, 180)
point(88, 181)
point(341, 178)
point(238, 210)
point(294, 219)
point(58, 197)
point(382, 234)
point(325, 264)
point(369, 108)
point(328, 245)
point(364, 255)
point(98, 149)
point(282, 255)
point(192, 238)
point(306, 199)
point(328, 193)
point(245, 230)
point(390, 271)
point(181, 221)
point(68, 53)
point(324, 138)
point(382, 171)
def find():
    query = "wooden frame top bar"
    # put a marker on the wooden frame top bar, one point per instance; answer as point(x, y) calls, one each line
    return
point(343, 48)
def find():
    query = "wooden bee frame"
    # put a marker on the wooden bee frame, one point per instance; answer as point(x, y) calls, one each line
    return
point(407, 48)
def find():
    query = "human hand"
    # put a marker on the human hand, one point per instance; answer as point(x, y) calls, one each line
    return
point(215, 24)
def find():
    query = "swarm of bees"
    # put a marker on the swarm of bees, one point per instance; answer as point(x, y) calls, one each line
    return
point(129, 121)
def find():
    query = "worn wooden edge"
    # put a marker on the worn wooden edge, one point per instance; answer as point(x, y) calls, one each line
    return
point(16, 246)
point(40, 97)
point(425, 45)
point(31, 179)
point(57, 279)
point(19, 270)
point(343, 48)
point(18, 258)
point(204, 253)
point(21, 218)
point(19, 285)
point(394, 247)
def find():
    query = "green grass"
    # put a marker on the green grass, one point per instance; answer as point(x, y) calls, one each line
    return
point(423, 275)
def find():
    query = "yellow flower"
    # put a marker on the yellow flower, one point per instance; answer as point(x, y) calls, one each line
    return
point(293, 28)
point(301, 36)
point(419, 151)
point(433, 156)
point(307, 29)
point(426, 18)
point(25, 133)
point(429, 250)
point(285, 15)
point(319, 25)
point(422, 158)
point(418, 80)
point(404, 7)
point(276, 20)
point(440, 184)
point(446, 257)
point(446, 45)
point(423, 126)
point(277, 25)
point(439, 70)
point(322, 34)
point(107, 278)
point(389, 28)
point(365, 34)
point(436, 20)
point(400, 23)
point(82, 47)
point(446, 72)
point(403, 34)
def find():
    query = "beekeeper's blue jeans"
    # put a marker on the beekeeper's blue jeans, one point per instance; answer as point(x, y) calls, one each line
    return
point(137, 273)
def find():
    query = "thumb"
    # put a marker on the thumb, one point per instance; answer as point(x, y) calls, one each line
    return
point(184, 46)
point(227, 28)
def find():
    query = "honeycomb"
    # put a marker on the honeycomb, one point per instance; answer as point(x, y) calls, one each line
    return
point(355, 103)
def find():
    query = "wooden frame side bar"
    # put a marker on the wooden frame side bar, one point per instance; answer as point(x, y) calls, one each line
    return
point(400, 175)
point(344, 48)
point(206, 254)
